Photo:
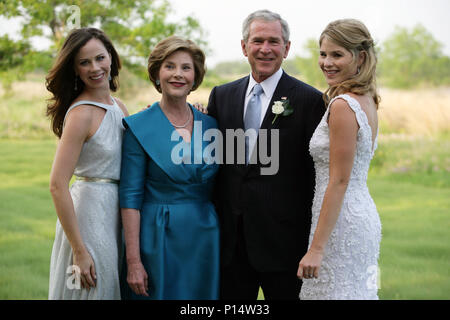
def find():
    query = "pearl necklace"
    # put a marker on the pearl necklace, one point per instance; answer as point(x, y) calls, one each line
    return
point(186, 123)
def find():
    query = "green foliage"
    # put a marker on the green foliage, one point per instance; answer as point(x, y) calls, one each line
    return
point(411, 58)
point(228, 71)
point(24, 116)
point(12, 57)
point(213, 78)
point(291, 67)
point(308, 65)
point(12, 52)
point(424, 160)
point(232, 68)
point(134, 26)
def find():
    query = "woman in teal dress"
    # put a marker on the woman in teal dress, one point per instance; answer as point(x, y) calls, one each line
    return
point(170, 225)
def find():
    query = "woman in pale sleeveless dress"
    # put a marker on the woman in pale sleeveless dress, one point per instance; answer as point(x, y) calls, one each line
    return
point(85, 256)
point(342, 260)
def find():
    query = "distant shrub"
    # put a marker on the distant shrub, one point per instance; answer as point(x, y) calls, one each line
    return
point(413, 58)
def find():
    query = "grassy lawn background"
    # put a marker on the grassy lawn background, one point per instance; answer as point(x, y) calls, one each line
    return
point(415, 217)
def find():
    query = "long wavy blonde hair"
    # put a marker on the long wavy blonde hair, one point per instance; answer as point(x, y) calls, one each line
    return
point(353, 35)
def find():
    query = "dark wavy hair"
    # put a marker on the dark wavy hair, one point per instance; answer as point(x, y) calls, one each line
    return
point(61, 78)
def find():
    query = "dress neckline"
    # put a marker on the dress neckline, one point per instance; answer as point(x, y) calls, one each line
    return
point(96, 102)
point(173, 127)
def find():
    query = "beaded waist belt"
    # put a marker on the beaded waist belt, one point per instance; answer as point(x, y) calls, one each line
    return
point(101, 180)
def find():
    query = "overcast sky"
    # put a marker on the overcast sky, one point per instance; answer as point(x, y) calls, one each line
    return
point(222, 19)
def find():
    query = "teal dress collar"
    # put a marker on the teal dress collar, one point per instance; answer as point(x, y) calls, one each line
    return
point(163, 144)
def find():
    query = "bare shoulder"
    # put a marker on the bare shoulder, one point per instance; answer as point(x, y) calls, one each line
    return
point(341, 114)
point(82, 112)
point(122, 106)
point(340, 105)
point(79, 120)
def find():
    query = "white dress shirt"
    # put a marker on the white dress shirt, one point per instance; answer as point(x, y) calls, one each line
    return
point(269, 85)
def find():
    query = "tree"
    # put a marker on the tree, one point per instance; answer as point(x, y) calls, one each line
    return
point(16, 57)
point(413, 58)
point(11, 58)
point(134, 27)
point(308, 65)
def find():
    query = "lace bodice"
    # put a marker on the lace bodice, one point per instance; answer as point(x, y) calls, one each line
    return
point(319, 146)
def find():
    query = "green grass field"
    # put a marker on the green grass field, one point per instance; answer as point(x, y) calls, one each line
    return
point(415, 249)
point(27, 221)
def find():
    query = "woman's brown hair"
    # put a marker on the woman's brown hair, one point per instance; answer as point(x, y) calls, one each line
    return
point(168, 46)
point(61, 78)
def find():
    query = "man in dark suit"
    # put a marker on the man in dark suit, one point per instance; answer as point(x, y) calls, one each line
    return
point(265, 218)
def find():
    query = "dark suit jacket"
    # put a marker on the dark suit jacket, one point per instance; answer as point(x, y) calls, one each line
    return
point(276, 209)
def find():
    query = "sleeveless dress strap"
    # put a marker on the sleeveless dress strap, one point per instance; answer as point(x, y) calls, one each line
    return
point(94, 103)
point(361, 116)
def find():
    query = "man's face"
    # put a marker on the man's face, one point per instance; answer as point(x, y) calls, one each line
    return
point(265, 48)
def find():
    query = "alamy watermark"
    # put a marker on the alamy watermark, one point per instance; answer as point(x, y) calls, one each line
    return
point(213, 152)
point(74, 20)
point(373, 282)
point(74, 279)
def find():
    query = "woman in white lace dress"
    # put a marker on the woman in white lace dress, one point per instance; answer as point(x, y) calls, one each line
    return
point(85, 256)
point(342, 260)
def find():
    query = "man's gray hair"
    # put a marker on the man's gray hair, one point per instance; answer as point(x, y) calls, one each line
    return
point(265, 15)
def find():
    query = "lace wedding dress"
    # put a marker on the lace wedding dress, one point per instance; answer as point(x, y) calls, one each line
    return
point(350, 264)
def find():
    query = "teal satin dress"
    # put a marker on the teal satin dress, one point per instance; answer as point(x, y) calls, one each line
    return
point(179, 231)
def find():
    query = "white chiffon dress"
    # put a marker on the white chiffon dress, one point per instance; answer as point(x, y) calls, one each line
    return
point(97, 211)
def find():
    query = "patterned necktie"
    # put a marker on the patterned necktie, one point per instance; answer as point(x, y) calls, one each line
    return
point(252, 119)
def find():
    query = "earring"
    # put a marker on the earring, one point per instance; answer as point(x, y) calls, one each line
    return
point(109, 78)
point(76, 81)
point(157, 82)
point(358, 70)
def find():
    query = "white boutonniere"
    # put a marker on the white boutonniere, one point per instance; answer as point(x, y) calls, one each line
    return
point(281, 107)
